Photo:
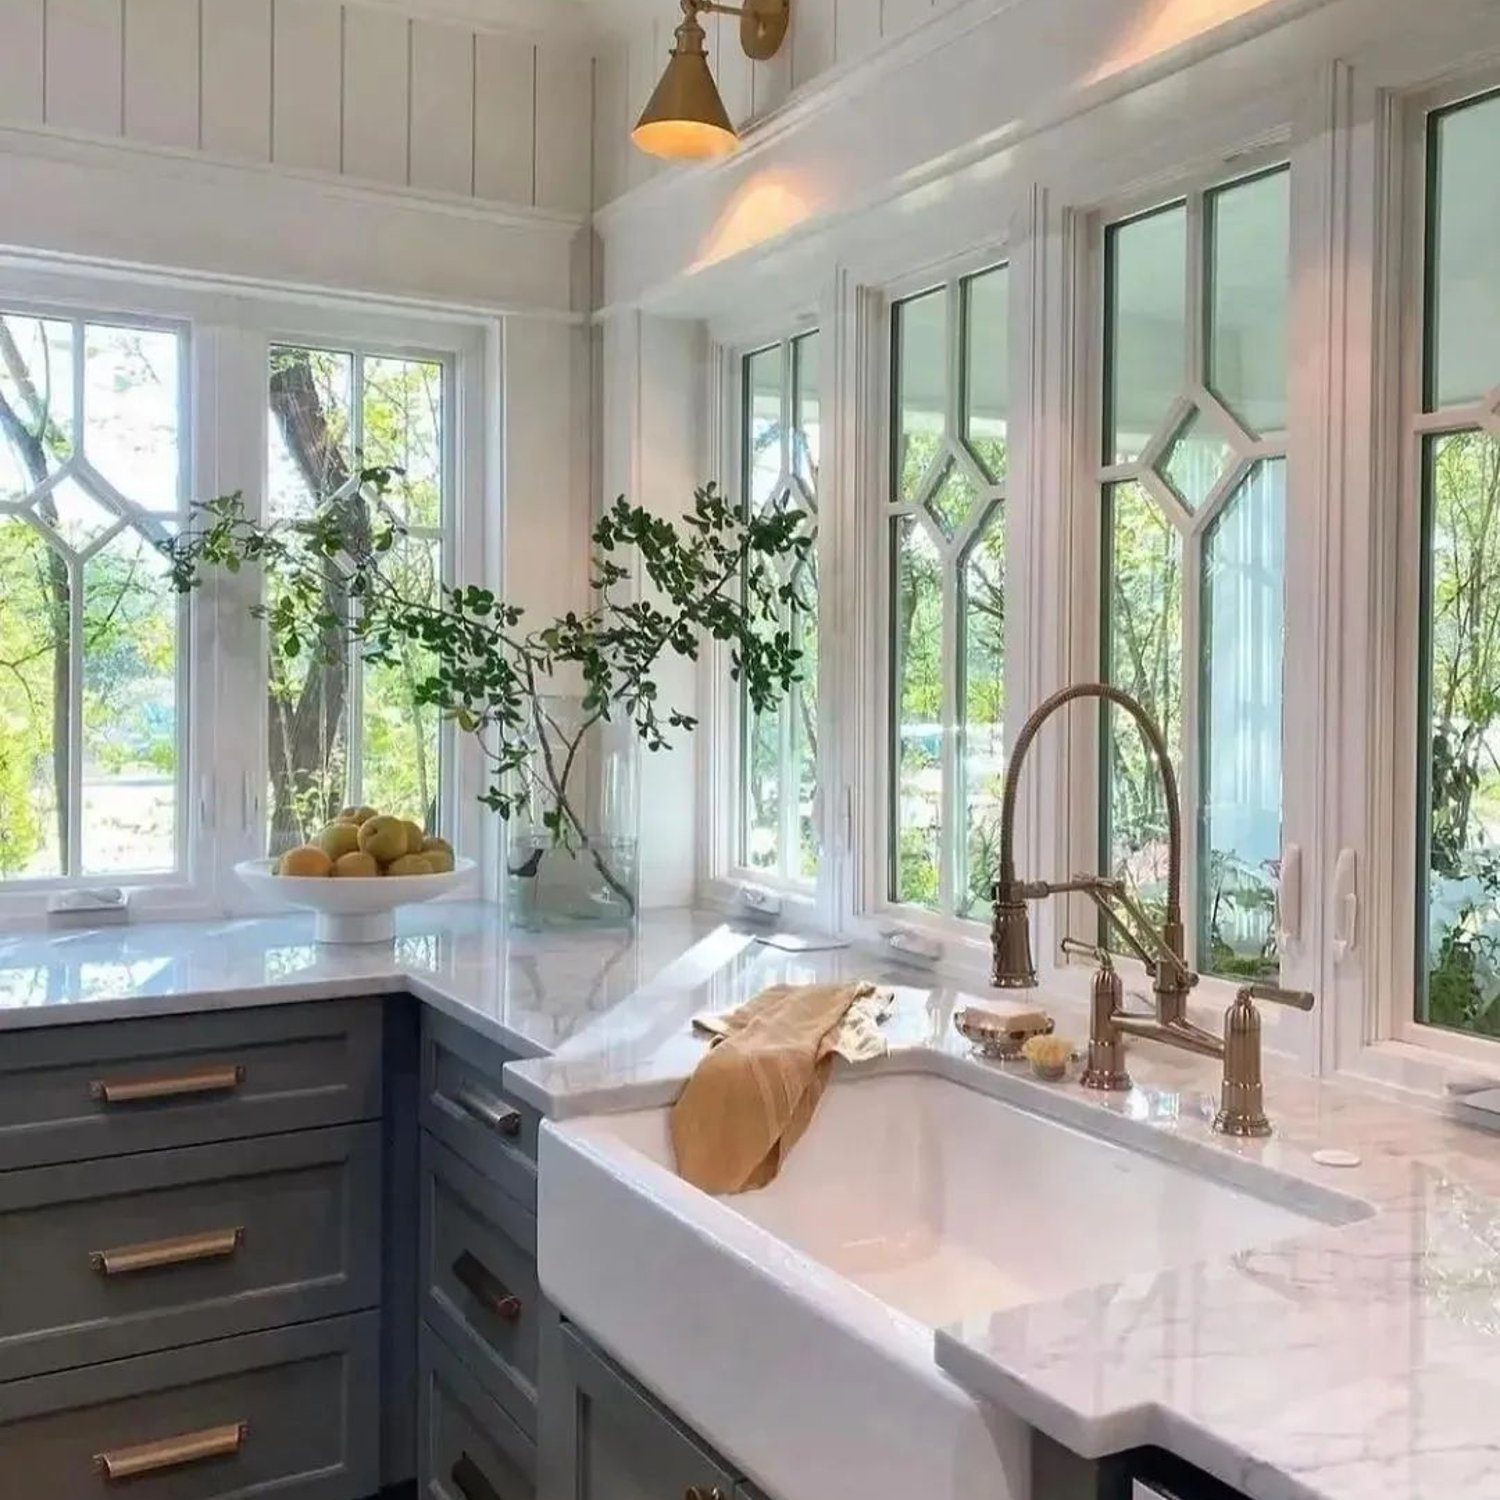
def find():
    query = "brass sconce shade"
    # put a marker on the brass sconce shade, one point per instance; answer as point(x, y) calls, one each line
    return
point(685, 119)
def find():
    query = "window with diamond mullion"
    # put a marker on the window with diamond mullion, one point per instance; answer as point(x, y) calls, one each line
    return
point(946, 529)
point(1192, 480)
point(93, 437)
point(1456, 434)
point(779, 449)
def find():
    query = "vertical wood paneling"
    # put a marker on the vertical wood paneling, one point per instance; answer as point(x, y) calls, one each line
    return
point(504, 118)
point(161, 72)
point(564, 126)
point(812, 39)
point(307, 59)
point(442, 107)
point(771, 81)
point(377, 73)
point(644, 63)
point(85, 46)
point(898, 16)
point(21, 62)
point(237, 78)
point(858, 28)
point(612, 123)
point(736, 85)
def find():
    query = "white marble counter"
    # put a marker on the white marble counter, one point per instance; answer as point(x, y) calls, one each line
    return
point(1359, 1362)
point(529, 992)
point(1355, 1362)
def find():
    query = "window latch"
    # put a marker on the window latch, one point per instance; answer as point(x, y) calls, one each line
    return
point(1345, 904)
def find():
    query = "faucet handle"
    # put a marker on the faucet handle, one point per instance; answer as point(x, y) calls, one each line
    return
point(1076, 948)
point(1275, 994)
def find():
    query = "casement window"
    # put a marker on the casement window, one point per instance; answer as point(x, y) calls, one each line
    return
point(946, 519)
point(150, 739)
point(1192, 476)
point(781, 414)
point(1454, 461)
point(340, 732)
point(93, 743)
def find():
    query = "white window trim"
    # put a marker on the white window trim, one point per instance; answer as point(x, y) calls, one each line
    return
point(229, 328)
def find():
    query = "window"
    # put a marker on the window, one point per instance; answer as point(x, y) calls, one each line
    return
point(779, 447)
point(92, 713)
point(1193, 481)
point(340, 732)
point(1456, 437)
point(946, 519)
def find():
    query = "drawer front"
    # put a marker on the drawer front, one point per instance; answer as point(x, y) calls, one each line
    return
point(609, 1440)
point(479, 1281)
point(469, 1448)
point(294, 1412)
point(72, 1093)
point(465, 1105)
point(110, 1258)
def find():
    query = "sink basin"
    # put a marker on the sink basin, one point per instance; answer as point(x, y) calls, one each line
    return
point(793, 1326)
point(941, 1201)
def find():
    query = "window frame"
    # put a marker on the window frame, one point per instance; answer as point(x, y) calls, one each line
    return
point(229, 329)
point(1081, 828)
point(1398, 882)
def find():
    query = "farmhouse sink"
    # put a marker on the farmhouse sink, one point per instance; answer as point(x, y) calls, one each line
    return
point(783, 1323)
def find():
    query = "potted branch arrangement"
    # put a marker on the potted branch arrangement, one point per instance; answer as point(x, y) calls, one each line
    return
point(549, 754)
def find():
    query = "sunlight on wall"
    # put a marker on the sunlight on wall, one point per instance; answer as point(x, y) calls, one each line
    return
point(765, 207)
point(1164, 24)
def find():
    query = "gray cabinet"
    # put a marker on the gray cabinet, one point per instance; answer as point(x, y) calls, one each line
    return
point(191, 1216)
point(604, 1438)
point(469, 1448)
point(75, 1093)
point(128, 1254)
point(288, 1411)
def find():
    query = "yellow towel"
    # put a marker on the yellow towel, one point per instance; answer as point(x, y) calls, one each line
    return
point(753, 1095)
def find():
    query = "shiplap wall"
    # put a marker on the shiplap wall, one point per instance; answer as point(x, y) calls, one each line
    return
point(822, 33)
point(359, 91)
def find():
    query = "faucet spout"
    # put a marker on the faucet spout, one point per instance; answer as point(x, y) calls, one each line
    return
point(1010, 934)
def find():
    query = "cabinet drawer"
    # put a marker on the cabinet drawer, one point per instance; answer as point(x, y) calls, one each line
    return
point(294, 1412)
point(465, 1105)
point(110, 1258)
point(609, 1440)
point(468, 1448)
point(72, 1093)
point(479, 1282)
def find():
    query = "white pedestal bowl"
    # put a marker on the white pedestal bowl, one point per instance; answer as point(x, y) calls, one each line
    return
point(351, 911)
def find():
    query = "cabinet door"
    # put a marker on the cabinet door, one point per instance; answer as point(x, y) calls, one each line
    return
point(604, 1438)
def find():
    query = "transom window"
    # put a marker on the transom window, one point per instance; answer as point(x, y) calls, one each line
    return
point(780, 444)
point(341, 731)
point(1193, 479)
point(1456, 435)
point(946, 518)
point(92, 710)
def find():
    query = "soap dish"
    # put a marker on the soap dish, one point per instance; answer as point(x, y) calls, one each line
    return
point(993, 1036)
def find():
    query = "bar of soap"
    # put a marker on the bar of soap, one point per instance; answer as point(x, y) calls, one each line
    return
point(1011, 1014)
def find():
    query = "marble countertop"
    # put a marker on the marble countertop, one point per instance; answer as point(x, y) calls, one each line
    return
point(1358, 1361)
point(1354, 1362)
point(529, 992)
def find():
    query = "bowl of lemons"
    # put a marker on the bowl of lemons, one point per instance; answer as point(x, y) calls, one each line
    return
point(357, 871)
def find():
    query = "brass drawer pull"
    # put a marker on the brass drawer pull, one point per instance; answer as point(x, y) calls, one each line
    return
point(169, 1086)
point(492, 1116)
point(469, 1480)
point(487, 1287)
point(172, 1452)
point(217, 1244)
point(703, 1492)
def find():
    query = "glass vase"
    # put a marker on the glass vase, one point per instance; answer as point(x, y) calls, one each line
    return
point(573, 857)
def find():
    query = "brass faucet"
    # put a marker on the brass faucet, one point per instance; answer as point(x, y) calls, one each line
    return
point(1161, 952)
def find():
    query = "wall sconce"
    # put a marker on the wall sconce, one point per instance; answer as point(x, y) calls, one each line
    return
point(685, 119)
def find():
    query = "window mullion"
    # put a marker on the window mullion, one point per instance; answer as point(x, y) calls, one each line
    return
point(354, 707)
point(74, 862)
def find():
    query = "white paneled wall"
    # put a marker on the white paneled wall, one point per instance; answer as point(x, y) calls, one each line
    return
point(823, 33)
point(317, 85)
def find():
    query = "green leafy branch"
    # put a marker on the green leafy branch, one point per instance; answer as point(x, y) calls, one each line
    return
point(659, 590)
